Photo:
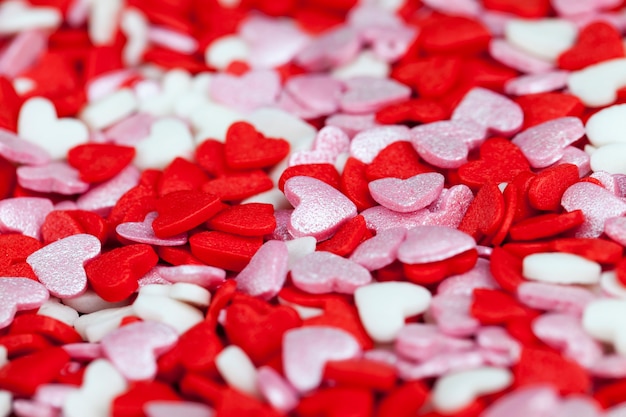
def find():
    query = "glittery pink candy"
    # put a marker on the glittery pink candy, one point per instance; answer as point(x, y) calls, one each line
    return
point(318, 92)
point(380, 250)
point(307, 349)
point(16, 149)
point(534, 400)
point(177, 408)
point(319, 208)
point(333, 48)
point(615, 228)
point(142, 232)
point(451, 312)
point(537, 83)
point(578, 157)
point(408, 195)
point(608, 181)
point(281, 232)
point(324, 272)
point(266, 272)
point(276, 390)
point(368, 94)
point(131, 130)
point(56, 177)
point(329, 142)
point(596, 203)
point(368, 143)
point(557, 298)
point(134, 348)
point(478, 277)
point(433, 243)
point(59, 265)
point(83, 351)
point(495, 112)
point(498, 339)
point(102, 198)
point(24, 215)
point(565, 332)
point(441, 141)
point(352, 123)
point(440, 364)
point(247, 92)
point(203, 275)
point(502, 51)
point(18, 294)
point(421, 342)
point(543, 144)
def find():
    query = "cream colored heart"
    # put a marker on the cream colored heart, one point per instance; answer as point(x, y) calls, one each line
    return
point(38, 123)
point(169, 138)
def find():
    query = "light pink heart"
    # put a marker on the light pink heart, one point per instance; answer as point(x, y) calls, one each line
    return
point(352, 123)
point(325, 272)
point(553, 297)
point(329, 142)
point(440, 365)
point(615, 228)
point(102, 198)
point(177, 408)
point(369, 94)
point(380, 250)
point(533, 400)
point(142, 232)
point(319, 208)
point(389, 43)
point(18, 294)
point(247, 92)
point(368, 143)
point(446, 144)
point(420, 342)
point(495, 112)
point(596, 203)
point(18, 150)
point(318, 92)
point(266, 272)
point(133, 349)
point(478, 277)
point(545, 143)
point(276, 390)
point(451, 313)
point(56, 177)
point(409, 195)
point(333, 48)
point(307, 349)
point(203, 275)
point(426, 244)
point(60, 265)
point(24, 215)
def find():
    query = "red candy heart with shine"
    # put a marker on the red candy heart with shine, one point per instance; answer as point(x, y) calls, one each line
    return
point(397, 160)
point(181, 211)
point(224, 250)
point(597, 42)
point(500, 161)
point(23, 375)
point(253, 219)
point(97, 162)
point(245, 148)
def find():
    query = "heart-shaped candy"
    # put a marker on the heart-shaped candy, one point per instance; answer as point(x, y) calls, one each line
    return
point(405, 196)
point(495, 112)
point(367, 144)
point(19, 294)
point(597, 42)
point(15, 149)
point(329, 143)
point(266, 272)
point(142, 232)
point(598, 84)
point(369, 94)
point(596, 203)
point(318, 92)
point(38, 124)
point(333, 48)
point(134, 348)
point(181, 211)
point(447, 143)
point(307, 349)
point(99, 162)
point(543, 38)
point(169, 138)
point(325, 272)
point(56, 177)
point(24, 215)
point(380, 250)
point(319, 208)
point(433, 243)
point(383, 307)
point(60, 265)
point(245, 148)
point(247, 92)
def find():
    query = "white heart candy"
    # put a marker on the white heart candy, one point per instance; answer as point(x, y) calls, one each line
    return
point(38, 124)
point(543, 38)
point(169, 138)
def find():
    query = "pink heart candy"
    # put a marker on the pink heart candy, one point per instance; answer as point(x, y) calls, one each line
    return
point(596, 203)
point(247, 92)
point(325, 272)
point(440, 364)
point(307, 349)
point(495, 112)
point(534, 400)
point(24, 215)
point(278, 392)
point(318, 92)
point(409, 195)
point(266, 272)
point(578, 157)
point(130, 131)
point(369, 94)
point(380, 250)
point(368, 143)
point(615, 228)
point(18, 294)
point(508, 54)
point(446, 144)
point(451, 312)
point(177, 408)
point(553, 297)
point(464, 284)
point(133, 349)
point(56, 177)
point(102, 198)
point(333, 48)
point(352, 123)
point(544, 144)
point(537, 83)
point(319, 208)
point(421, 342)
point(389, 43)
point(610, 366)
point(203, 275)
point(142, 232)
point(328, 144)
point(426, 244)
point(60, 265)
point(16, 149)
point(497, 339)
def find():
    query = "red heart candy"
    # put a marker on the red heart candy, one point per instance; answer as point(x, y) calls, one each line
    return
point(430, 77)
point(238, 186)
point(485, 213)
point(337, 402)
point(539, 108)
point(210, 156)
point(506, 269)
point(10, 107)
point(417, 110)
point(495, 307)
point(347, 238)
point(597, 42)
point(398, 160)
point(547, 188)
point(53, 329)
point(546, 225)
point(258, 327)
point(181, 211)
point(323, 172)
point(528, 8)
point(404, 401)
point(611, 394)
point(433, 272)
point(23, 344)
point(8, 177)
point(63, 223)
point(454, 35)
point(500, 161)
point(181, 175)
point(99, 162)
point(132, 402)
point(179, 255)
point(245, 148)
point(597, 250)
point(14, 249)
point(198, 347)
point(23, 375)
point(361, 373)
point(354, 184)
point(511, 197)
point(224, 250)
point(113, 275)
point(253, 219)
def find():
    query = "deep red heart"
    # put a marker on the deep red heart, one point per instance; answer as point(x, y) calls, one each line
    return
point(224, 250)
point(99, 162)
point(539, 108)
point(492, 307)
point(397, 160)
point(181, 175)
point(245, 148)
point(323, 172)
point(597, 42)
point(23, 375)
point(63, 223)
point(253, 219)
point(181, 211)
point(485, 213)
point(235, 187)
point(547, 188)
